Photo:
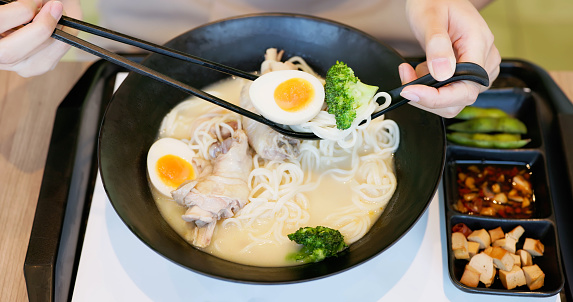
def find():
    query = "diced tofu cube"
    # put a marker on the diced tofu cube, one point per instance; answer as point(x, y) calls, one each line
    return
point(462, 254)
point(534, 247)
point(487, 251)
point(496, 234)
point(516, 260)
point(473, 248)
point(499, 242)
point(483, 263)
point(516, 232)
point(488, 277)
point(525, 256)
point(513, 278)
point(460, 246)
point(470, 276)
point(510, 243)
point(481, 237)
point(458, 240)
point(534, 276)
point(502, 259)
point(507, 243)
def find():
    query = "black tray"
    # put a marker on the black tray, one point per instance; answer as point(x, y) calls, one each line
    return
point(527, 93)
point(71, 168)
point(67, 187)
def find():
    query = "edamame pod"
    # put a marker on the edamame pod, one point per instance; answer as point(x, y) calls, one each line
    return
point(471, 112)
point(481, 140)
point(490, 124)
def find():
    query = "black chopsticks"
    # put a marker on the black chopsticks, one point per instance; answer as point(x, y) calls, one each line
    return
point(122, 38)
point(143, 70)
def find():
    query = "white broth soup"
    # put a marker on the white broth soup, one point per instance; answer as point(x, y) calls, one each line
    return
point(272, 185)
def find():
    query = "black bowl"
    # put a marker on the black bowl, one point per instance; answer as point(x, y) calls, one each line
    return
point(133, 117)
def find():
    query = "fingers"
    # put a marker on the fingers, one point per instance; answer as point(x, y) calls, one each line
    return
point(492, 65)
point(431, 25)
point(407, 73)
point(43, 60)
point(450, 31)
point(440, 55)
point(457, 94)
point(472, 40)
point(26, 39)
point(23, 43)
point(446, 101)
point(17, 13)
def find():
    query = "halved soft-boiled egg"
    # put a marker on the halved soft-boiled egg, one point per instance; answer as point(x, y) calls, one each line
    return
point(288, 97)
point(169, 164)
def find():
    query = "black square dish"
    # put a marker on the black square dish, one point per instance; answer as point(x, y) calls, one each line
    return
point(532, 162)
point(549, 263)
point(517, 103)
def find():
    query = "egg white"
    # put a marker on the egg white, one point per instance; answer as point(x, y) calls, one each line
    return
point(262, 96)
point(160, 148)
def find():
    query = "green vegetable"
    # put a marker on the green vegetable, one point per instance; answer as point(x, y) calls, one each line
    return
point(471, 112)
point(317, 243)
point(345, 95)
point(490, 124)
point(481, 140)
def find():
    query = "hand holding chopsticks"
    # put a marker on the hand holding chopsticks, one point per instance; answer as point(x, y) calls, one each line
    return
point(122, 38)
point(141, 69)
point(28, 49)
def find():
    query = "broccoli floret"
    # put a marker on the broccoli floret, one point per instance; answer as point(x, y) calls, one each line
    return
point(345, 94)
point(317, 243)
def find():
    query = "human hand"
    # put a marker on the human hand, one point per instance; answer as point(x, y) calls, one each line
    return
point(25, 29)
point(450, 31)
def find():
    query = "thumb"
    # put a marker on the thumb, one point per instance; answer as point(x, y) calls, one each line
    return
point(440, 56)
point(54, 8)
point(430, 22)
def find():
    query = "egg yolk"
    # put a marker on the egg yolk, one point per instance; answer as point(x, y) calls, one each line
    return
point(173, 170)
point(294, 94)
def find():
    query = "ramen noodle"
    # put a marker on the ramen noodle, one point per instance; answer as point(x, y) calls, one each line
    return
point(310, 183)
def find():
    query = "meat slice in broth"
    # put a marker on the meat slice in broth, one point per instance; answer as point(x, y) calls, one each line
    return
point(220, 194)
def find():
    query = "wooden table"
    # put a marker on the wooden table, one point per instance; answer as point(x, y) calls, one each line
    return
point(27, 111)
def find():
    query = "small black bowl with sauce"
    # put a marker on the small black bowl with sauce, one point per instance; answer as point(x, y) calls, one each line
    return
point(494, 186)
